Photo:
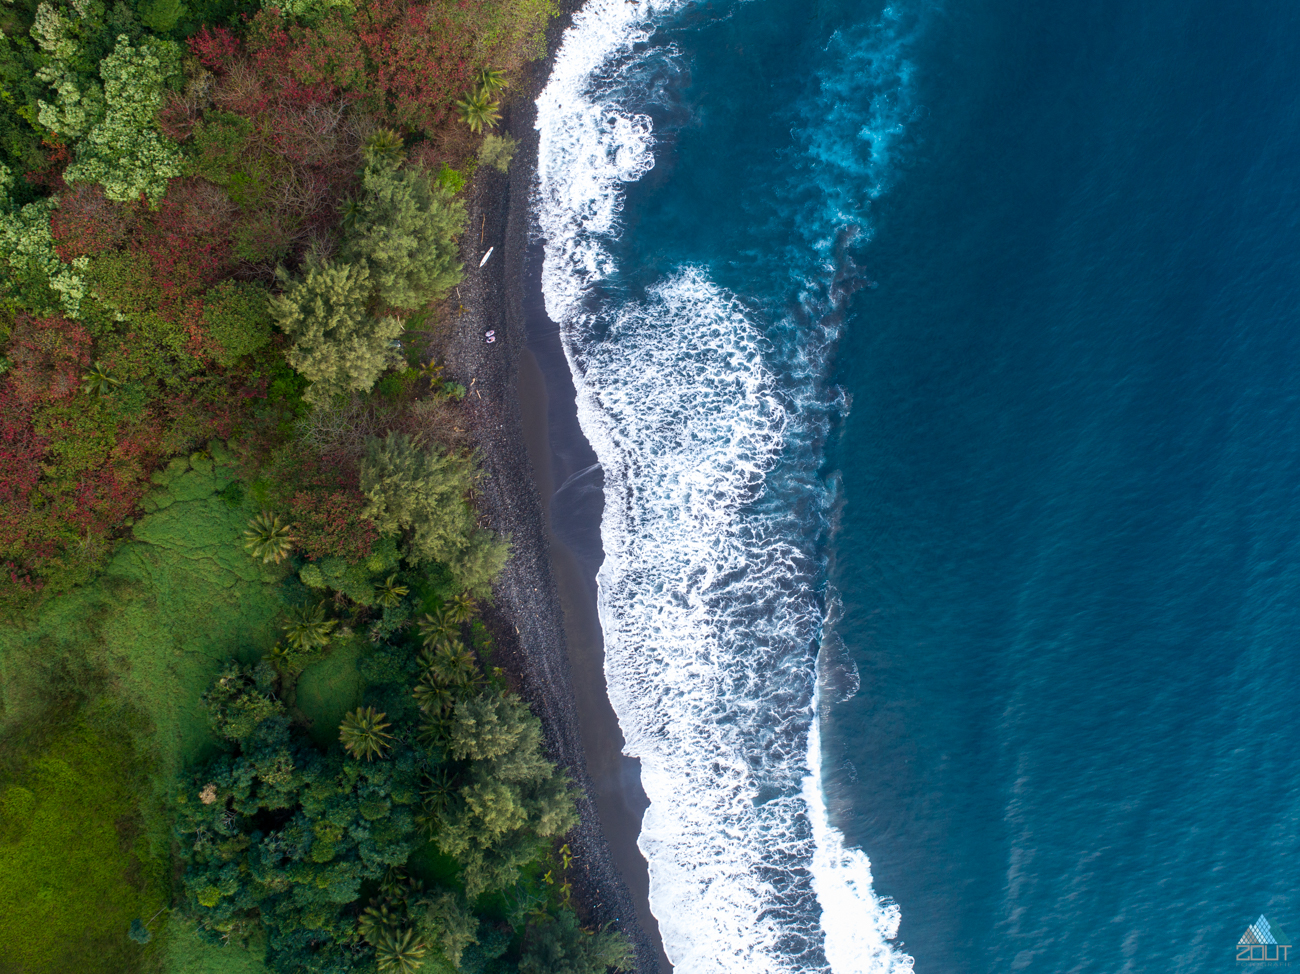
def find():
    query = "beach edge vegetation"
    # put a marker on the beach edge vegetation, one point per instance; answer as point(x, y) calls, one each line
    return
point(240, 562)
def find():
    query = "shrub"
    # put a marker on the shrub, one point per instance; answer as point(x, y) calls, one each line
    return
point(87, 223)
point(336, 344)
point(236, 321)
point(497, 151)
point(48, 358)
point(328, 523)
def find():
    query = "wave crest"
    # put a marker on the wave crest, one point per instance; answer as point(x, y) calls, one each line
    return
point(707, 600)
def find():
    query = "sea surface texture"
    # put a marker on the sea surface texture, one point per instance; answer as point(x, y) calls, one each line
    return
point(943, 362)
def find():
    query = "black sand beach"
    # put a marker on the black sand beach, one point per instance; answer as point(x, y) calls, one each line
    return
point(544, 618)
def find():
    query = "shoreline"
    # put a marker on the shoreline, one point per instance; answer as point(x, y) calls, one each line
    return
point(544, 614)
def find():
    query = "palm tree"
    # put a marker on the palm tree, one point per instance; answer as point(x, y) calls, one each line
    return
point(97, 381)
point(385, 144)
point(435, 797)
point(308, 628)
point(362, 733)
point(449, 664)
point(391, 593)
point(432, 699)
point(350, 213)
point(432, 733)
point(376, 920)
point(396, 884)
point(279, 655)
point(462, 608)
point(432, 650)
point(437, 626)
point(461, 668)
point(400, 952)
point(478, 110)
point(268, 538)
point(490, 82)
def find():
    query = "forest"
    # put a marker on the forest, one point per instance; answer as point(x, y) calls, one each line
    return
point(249, 714)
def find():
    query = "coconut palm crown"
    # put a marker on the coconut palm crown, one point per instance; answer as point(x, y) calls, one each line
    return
point(399, 952)
point(308, 628)
point(98, 382)
point(462, 608)
point(391, 593)
point(362, 733)
point(490, 81)
point(478, 110)
point(268, 538)
point(437, 626)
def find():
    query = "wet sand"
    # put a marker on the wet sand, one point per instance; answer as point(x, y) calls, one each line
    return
point(543, 489)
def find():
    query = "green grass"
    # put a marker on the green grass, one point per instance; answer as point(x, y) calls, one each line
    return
point(329, 689)
point(76, 861)
point(170, 608)
point(84, 838)
point(185, 953)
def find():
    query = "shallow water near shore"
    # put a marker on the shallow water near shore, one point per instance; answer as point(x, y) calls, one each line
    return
point(940, 366)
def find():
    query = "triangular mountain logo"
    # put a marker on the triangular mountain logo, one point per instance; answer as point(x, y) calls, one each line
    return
point(1263, 941)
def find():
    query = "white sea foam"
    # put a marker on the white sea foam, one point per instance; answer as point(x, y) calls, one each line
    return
point(707, 601)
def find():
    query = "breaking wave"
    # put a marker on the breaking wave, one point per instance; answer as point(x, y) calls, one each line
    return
point(708, 594)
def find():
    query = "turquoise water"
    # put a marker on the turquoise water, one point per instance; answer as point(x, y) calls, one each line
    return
point(955, 345)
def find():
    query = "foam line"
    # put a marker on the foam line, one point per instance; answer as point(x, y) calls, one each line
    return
point(707, 598)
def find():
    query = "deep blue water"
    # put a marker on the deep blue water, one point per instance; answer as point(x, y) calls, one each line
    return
point(1028, 279)
point(1069, 544)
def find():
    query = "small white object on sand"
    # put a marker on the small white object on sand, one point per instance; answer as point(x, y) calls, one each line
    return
point(486, 256)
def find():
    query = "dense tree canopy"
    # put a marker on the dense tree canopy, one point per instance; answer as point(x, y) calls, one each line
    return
point(423, 493)
point(405, 230)
point(337, 344)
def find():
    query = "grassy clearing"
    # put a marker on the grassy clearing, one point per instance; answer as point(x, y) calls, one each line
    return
point(329, 689)
point(76, 861)
point(156, 626)
point(184, 953)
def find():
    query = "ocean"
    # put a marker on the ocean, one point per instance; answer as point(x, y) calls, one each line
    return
point(940, 361)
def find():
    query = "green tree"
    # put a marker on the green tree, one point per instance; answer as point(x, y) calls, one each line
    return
point(363, 733)
point(237, 318)
point(561, 946)
point(511, 794)
point(447, 920)
point(35, 278)
point(405, 228)
point(423, 493)
point(124, 151)
point(336, 344)
point(160, 16)
point(240, 700)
